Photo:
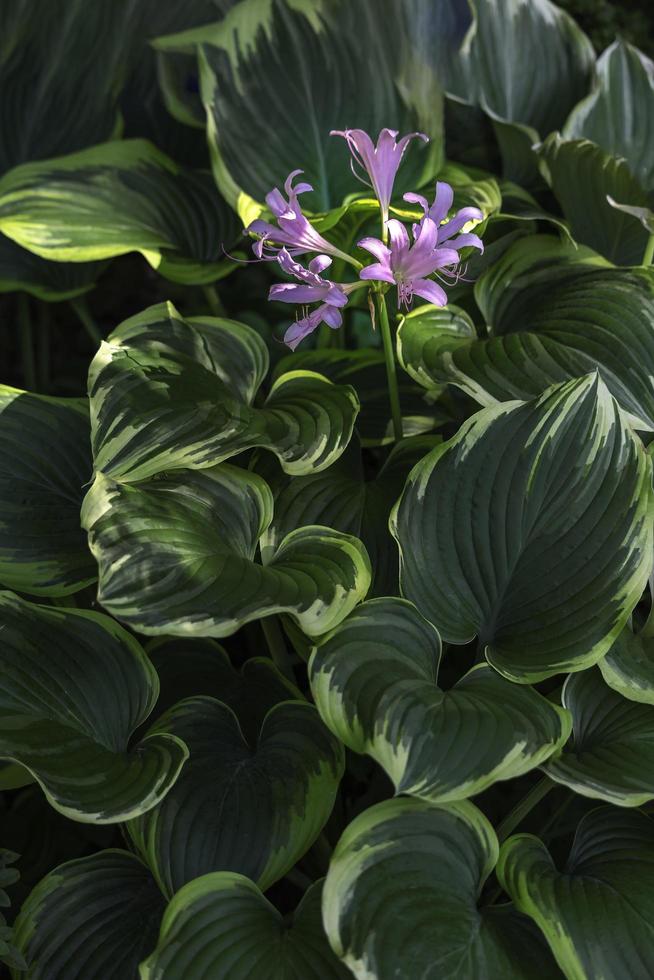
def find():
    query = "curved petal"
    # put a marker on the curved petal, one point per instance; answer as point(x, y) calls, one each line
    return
point(288, 292)
point(377, 271)
point(412, 198)
point(332, 317)
point(460, 219)
point(405, 140)
point(301, 188)
point(376, 248)
point(431, 291)
point(442, 202)
point(319, 264)
point(300, 329)
point(467, 240)
point(276, 202)
point(335, 296)
point(398, 236)
point(426, 238)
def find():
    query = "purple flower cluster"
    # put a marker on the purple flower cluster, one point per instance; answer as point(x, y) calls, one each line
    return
point(408, 265)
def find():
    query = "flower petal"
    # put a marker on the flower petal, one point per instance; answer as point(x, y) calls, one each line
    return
point(442, 202)
point(398, 236)
point(431, 291)
point(376, 248)
point(464, 241)
point(412, 198)
point(319, 264)
point(377, 271)
point(289, 292)
point(460, 219)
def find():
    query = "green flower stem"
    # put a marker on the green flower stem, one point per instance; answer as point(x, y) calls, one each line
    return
point(84, 315)
point(213, 300)
point(391, 373)
point(26, 342)
point(648, 254)
point(523, 807)
point(277, 646)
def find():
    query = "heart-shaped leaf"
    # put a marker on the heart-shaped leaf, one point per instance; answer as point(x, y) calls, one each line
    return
point(611, 754)
point(582, 176)
point(116, 198)
point(375, 682)
point(597, 913)
point(342, 498)
point(618, 115)
point(177, 556)
point(568, 324)
point(401, 899)
point(531, 528)
point(201, 921)
point(75, 686)
point(167, 392)
point(189, 667)
point(251, 808)
point(96, 917)
point(45, 460)
point(314, 42)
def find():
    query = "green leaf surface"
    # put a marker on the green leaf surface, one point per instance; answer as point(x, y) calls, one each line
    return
point(45, 460)
point(618, 114)
point(202, 920)
point(75, 686)
point(628, 667)
point(177, 556)
point(167, 392)
point(49, 281)
point(597, 912)
point(531, 529)
point(116, 198)
point(582, 176)
point(344, 498)
point(611, 754)
point(375, 682)
point(188, 667)
point(94, 918)
point(524, 61)
point(564, 325)
point(253, 808)
point(301, 45)
point(401, 899)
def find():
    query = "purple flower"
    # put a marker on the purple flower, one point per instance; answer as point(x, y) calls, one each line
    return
point(293, 229)
point(382, 161)
point(302, 328)
point(438, 211)
point(314, 288)
point(408, 265)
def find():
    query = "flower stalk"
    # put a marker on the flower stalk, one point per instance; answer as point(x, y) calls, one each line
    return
point(389, 358)
point(648, 254)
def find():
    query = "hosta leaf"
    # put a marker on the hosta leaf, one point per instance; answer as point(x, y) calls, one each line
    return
point(597, 913)
point(200, 925)
point(254, 808)
point(177, 555)
point(342, 498)
point(611, 754)
point(526, 61)
point(365, 370)
point(93, 918)
point(582, 175)
point(532, 529)
point(189, 667)
point(75, 686)
point(45, 460)
point(49, 281)
point(618, 115)
point(116, 198)
point(628, 667)
point(375, 682)
point(401, 899)
point(168, 392)
point(525, 264)
point(563, 326)
point(301, 45)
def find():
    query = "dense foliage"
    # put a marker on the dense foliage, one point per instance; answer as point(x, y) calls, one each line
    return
point(333, 659)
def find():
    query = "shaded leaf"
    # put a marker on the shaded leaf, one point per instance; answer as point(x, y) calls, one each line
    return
point(628, 667)
point(596, 913)
point(177, 556)
point(251, 808)
point(375, 682)
point(168, 392)
point(402, 899)
point(199, 926)
point(532, 529)
point(75, 686)
point(45, 460)
point(611, 754)
point(96, 918)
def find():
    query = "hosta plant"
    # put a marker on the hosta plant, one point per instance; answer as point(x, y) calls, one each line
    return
point(326, 499)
